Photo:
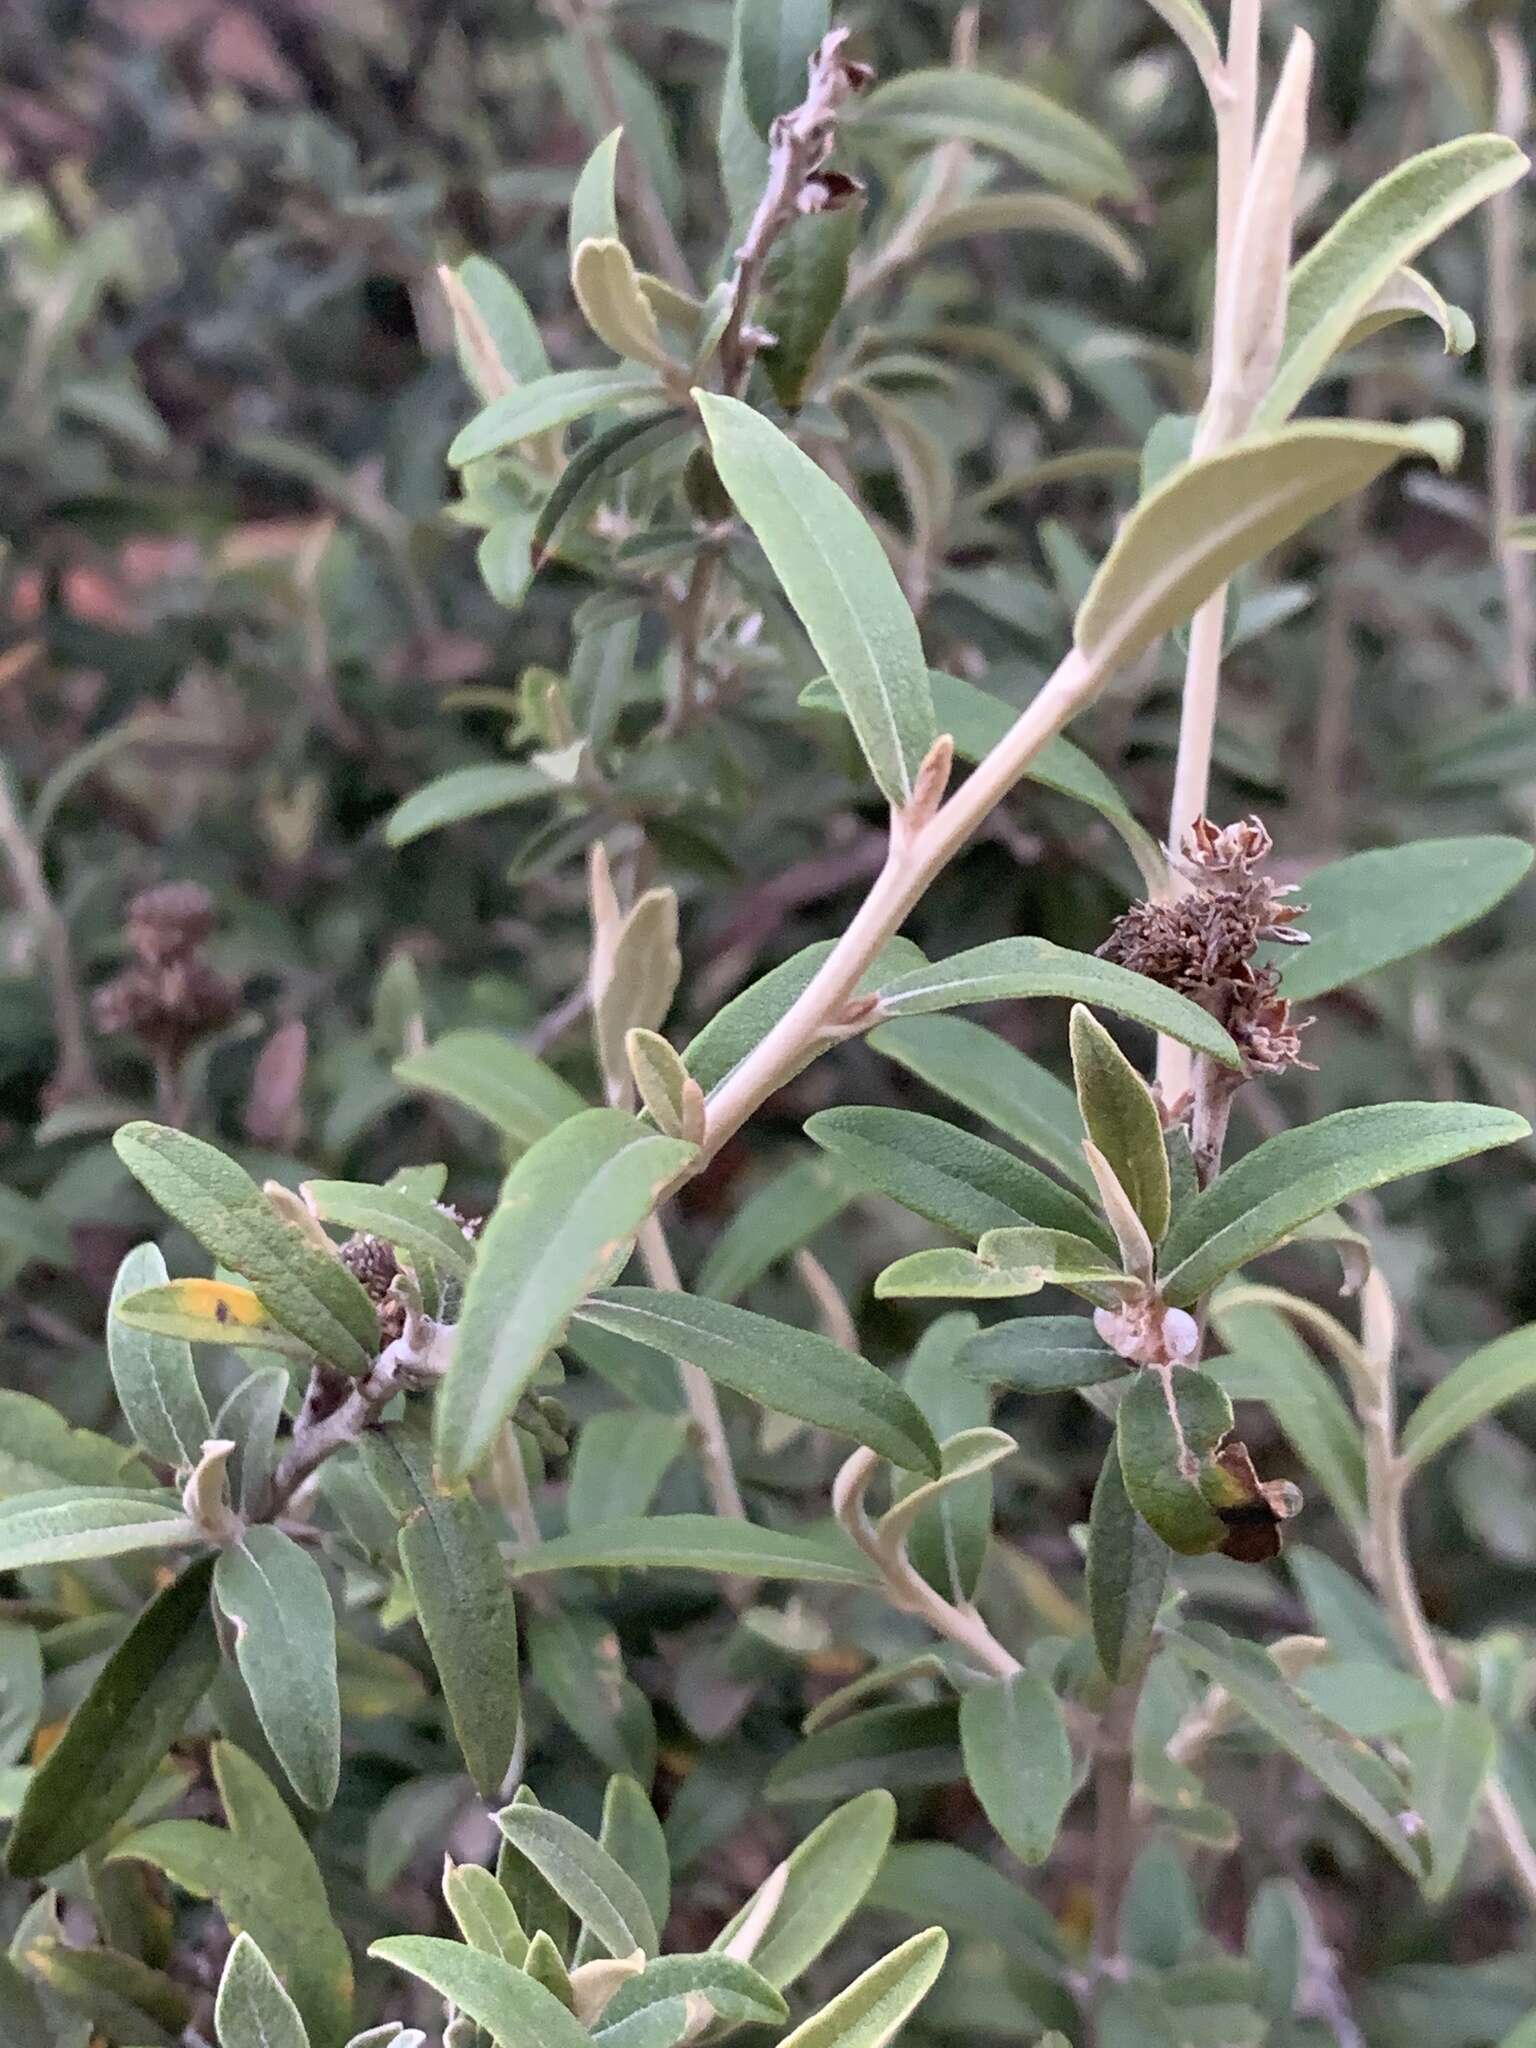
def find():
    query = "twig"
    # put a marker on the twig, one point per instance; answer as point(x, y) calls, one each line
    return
point(411, 1362)
point(75, 1074)
point(664, 251)
point(1512, 73)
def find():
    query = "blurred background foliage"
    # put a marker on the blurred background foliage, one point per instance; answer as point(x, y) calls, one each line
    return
point(239, 623)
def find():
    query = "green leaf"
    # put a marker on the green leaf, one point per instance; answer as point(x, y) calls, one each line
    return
point(1021, 124)
point(602, 1896)
point(1192, 25)
point(1166, 1431)
point(1122, 1120)
point(483, 1913)
point(792, 1371)
point(496, 336)
point(880, 2002)
point(777, 40)
point(22, 2017)
point(621, 1458)
point(1495, 1373)
point(891, 1747)
point(594, 469)
point(567, 1208)
point(1373, 908)
point(71, 1523)
point(1212, 516)
point(607, 288)
point(514, 2010)
point(1408, 294)
point(994, 1080)
point(1127, 1575)
point(120, 1732)
point(495, 1078)
point(776, 1219)
point(637, 1842)
point(311, 1294)
point(1346, 1770)
point(1007, 1263)
point(454, 1570)
point(1386, 227)
point(947, 1175)
point(275, 1597)
point(1289, 1179)
point(735, 1991)
point(949, 1539)
point(412, 1225)
point(964, 1456)
point(550, 402)
point(1041, 1355)
point(121, 1996)
point(578, 1664)
point(264, 1879)
point(204, 1312)
point(156, 1384)
point(253, 2010)
point(1011, 968)
point(1018, 1760)
point(698, 1543)
point(462, 793)
point(938, 1881)
point(825, 1881)
point(804, 287)
point(978, 721)
point(840, 582)
point(731, 1033)
point(40, 1451)
point(1449, 1759)
point(594, 201)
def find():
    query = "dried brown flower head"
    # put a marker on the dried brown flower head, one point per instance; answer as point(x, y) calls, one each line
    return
point(1204, 944)
point(168, 995)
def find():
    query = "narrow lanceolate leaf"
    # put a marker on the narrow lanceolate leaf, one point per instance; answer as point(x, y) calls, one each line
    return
point(1127, 1573)
point(495, 335)
point(775, 41)
point(621, 1458)
point(567, 1211)
point(1499, 1372)
point(595, 468)
point(994, 1080)
point(485, 1916)
point(735, 1990)
point(1385, 228)
point(948, 1175)
point(1373, 908)
point(414, 1226)
point(1347, 1771)
point(1449, 1759)
point(634, 1837)
point(1286, 1181)
point(964, 1456)
point(840, 582)
point(189, 1312)
point(26, 2023)
point(252, 2009)
point(1018, 1760)
point(1011, 968)
point(124, 1997)
point(549, 402)
point(949, 1538)
point(1166, 1432)
point(121, 1730)
point(824, 1882)
point(999, 114)
point(670, 1096)
point(594, 206)
point(877, 2005)
point(1213, 515)
point(497, 1079)
point(472, 792)
point(71, 1523)
point(607, 289)
point(1407, 295)
point(1041, 1355)
point(1122, 1120)
point(698, 1543)
point(1006, 1264)
point(514, 2010)
point(793, 1371)
point(463, 1602)
point(312, 1295)
point(263, 1876)
point(41, 1452)
point(603, 1897)
point(156, 1384)
point(275, 1598)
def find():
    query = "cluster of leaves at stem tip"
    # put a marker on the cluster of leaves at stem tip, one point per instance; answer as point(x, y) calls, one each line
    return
point(382, 1455)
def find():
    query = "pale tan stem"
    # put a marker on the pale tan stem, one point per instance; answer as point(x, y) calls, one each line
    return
point(913, 858)
point(1512, 71)
point(698, 1387)
point(1385, 1555)
point(75, 1074)
point(1235, 102)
